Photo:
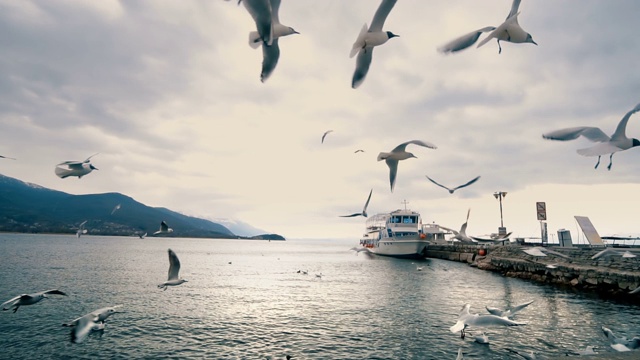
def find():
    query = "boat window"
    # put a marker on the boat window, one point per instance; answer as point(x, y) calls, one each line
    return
point(395, 219)
point(408, 219)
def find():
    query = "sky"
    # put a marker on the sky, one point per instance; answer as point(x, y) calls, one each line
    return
point(169, 94)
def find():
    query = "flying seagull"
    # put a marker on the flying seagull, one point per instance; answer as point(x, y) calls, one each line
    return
point(164, 229)
point(75, 168)
point(398, 154)
point(607, 145)
point(466, 319)
point(357, 151)
point(614, 339)
point(509, 30)
point(325, 135)
point(462, 234)
point(457, 187)
point(116, 209)
point(270, 52)
point(510, 312)
point(174, 269)
point(142, 235)
point(81, 230)
point(364, 210)
point(368, 38)
point(28, 299)
point(92, 321)
point(6, 157)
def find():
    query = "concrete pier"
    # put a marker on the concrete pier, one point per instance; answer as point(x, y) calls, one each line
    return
point(610, 274)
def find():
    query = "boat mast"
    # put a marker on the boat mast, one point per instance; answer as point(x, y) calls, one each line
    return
point(405, 202)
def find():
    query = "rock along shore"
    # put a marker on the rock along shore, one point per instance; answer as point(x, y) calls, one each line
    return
point(612, 274)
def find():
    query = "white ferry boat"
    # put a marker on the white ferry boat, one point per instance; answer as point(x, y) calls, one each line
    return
point(399, 233)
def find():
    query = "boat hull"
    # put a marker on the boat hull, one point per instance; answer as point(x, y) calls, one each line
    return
point(400, 248)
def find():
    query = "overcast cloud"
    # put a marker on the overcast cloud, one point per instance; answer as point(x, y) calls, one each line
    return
point(168, 93)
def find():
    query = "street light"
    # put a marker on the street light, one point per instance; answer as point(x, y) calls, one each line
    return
point(499, 195)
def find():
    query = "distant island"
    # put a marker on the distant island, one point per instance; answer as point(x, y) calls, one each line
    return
point(30, 208)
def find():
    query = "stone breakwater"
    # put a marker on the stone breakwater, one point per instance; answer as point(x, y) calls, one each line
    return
point(611, 274)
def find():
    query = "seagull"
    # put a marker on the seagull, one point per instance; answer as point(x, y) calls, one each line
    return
point(466, 319)
point(529, 356)
point(368, 39)
point(260, 11)
point(459, 357)
point(464, 41)
point(28, 299)
point(482, 339)
point(164, 229)
point(419, 268)
point(607, 145)
point(509, 30)
point(364, 210)
point(75, 168)
point(270, 52)
point(541, 251)
point(357, 151)
point(398, 154)
point(325, 135)
point(81, 229)
point(509, 312)
point(174, 269)
point(621, 340)
point(142, 235)
point(359, 250)
point(462, 234)
point(457, 187)
point(587, 351)
point(115, 209)
point(6, 157)
point(611, 251)
point(92, 321)
point(319, 275)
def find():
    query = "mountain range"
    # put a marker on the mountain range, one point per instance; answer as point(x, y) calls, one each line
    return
point(30, 208)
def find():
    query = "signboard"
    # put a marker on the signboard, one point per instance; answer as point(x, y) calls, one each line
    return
point(541, 210)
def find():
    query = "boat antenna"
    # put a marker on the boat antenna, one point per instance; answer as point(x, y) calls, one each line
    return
point(405, 202)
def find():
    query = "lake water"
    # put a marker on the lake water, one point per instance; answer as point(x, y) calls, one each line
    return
point(246, 300)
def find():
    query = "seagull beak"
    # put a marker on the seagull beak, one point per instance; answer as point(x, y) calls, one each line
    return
point(534, 43)
point(295, 32)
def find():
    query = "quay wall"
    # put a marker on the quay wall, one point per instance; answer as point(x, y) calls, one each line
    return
point(610, 274)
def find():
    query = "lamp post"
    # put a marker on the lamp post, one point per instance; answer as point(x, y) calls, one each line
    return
point(499, 195)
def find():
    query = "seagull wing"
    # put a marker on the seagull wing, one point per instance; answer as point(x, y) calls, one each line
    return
point(592, 133)
point(459, 326)
point(82, 224)
point(517, 308)
point(393, 171)
point(622, 125)
point(495, 311)
point(352, 215)
point(270, 56)
point(174, 265)
point(599, 149)
point(455, 232)
point(514, 8)
point(442, 186)
point(325, 135)
point(89, 158)
point(164, 227)
point(381, 15)
point(83, 327)
point(275, 8)
point(6, 157)
point(363, 61)
point(11, 302)
point(467, 184)
point(511, 20)
point(364, 210)
point(403, 146)
point(53, 291)
point(260, 11)
point(464, 41)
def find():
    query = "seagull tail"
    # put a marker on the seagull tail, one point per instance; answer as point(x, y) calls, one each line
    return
point(359, 43)
point(254, 40)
